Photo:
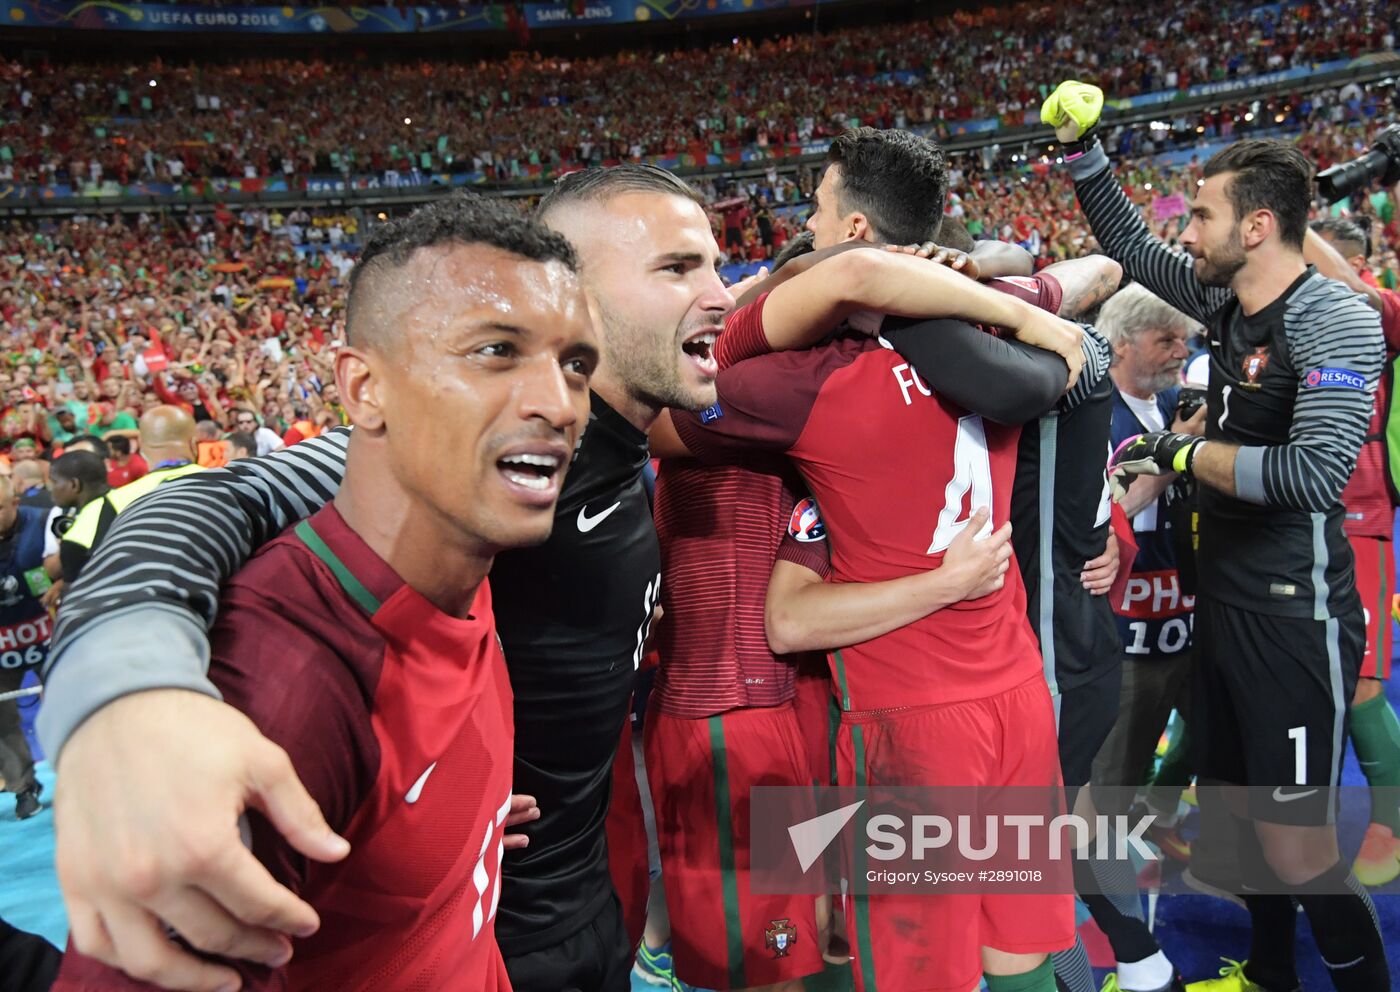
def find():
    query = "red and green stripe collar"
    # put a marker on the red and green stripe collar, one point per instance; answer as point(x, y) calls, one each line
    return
point(365, 577)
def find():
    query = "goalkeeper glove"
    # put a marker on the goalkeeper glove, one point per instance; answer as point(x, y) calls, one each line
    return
point(1156, 453)
point(1073, 110)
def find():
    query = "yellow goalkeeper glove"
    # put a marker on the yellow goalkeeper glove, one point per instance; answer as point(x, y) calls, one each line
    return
point(1073, 110)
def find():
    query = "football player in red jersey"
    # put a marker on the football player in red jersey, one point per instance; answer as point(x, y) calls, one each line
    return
point(877, 446)
point(724, 717)
point(468, 323)
point(1339, 249)
point(807, 613)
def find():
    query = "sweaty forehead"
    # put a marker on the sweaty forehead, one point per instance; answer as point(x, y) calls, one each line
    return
point(642, 223)
point(457, 282)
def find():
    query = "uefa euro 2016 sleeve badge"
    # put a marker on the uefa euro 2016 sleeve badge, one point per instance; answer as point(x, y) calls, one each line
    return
point(780, 937)
point(805, 524)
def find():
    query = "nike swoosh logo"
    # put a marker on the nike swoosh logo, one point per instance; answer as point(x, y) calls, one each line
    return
point(1280, 797)
point(587, 523)
point(417, 790)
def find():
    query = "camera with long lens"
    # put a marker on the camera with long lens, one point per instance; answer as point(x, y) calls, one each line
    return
point(1381, 162)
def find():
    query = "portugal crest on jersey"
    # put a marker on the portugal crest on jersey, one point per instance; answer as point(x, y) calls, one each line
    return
point(805, 524)
point(780, 937)
point(1255, 364)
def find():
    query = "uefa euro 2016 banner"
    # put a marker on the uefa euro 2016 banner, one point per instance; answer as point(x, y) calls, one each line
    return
point(104, 15)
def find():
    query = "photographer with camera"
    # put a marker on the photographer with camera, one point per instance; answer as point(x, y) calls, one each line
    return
point(1149, 340)
point(1381, 162)
point(1295, 359)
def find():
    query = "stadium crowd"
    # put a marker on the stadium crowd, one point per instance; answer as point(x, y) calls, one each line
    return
point(238, 310)
point(111, 316)
point(529, 114)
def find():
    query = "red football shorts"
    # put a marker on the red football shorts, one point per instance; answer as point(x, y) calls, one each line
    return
point(700, 771)
point(1375, 581)
point(817, 716)
point(918, 942)
point(627, 839)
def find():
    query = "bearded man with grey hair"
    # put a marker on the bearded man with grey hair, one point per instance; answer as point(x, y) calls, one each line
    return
point(1149, 340)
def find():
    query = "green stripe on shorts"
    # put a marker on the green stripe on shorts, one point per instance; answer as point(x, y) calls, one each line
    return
point(864, 941)
point(841, 679)
point(1382, 608)
point(724, 823)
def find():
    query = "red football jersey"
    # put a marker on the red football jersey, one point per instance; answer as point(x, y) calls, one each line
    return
point(721, 528)
point(1370, 512)
point(120, 475)
point(398, 718)
point(897, 471)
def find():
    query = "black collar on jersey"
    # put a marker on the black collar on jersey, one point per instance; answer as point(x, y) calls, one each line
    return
point(1269, 315)
point(601, 414)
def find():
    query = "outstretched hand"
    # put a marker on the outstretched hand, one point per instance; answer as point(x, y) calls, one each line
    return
point(151, 789)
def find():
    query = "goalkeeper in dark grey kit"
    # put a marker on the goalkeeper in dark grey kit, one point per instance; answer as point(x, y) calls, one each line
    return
point(1294, 362)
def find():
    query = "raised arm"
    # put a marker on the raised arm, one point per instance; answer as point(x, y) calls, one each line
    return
point(1073, 110)
point(208, 395)
point(1126, 238)
point(162, 389)
point(40, 423)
